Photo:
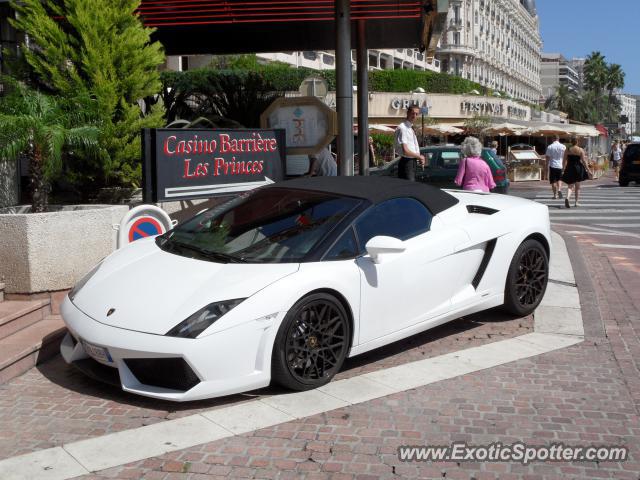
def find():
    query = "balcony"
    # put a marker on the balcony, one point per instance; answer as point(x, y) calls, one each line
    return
point(457, 49)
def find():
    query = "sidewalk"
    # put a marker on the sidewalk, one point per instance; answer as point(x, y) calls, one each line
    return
point(505, 391)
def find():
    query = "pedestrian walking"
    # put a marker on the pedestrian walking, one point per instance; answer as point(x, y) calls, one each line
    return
point(575, 171)
point(555, 157)
point(407, 147)
point(615, 158)
point(493, 146)
point(372, 153)
point(323, 164)
point(473, 172)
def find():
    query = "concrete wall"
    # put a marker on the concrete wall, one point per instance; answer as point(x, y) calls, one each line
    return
point(8, 183)
point(51, 251)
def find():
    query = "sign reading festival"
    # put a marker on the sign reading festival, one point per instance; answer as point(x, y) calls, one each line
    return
point(181, 164)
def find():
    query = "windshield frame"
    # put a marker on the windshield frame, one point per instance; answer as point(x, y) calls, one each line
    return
point(315, 252)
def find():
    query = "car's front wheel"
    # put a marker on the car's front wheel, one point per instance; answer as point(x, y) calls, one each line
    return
point(527, 278)
point(311, 344)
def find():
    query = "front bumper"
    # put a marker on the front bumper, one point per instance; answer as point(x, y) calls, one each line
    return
point(231, 361)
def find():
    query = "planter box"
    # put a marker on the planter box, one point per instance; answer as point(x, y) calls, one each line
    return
point(51, 251)
point(525, 174)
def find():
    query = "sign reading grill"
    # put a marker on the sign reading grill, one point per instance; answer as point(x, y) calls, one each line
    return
point(181, 164)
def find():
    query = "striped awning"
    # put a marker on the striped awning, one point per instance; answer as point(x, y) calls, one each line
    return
point(157, 13)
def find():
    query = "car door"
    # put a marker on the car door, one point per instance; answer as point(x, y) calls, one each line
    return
point(405, 288)
point(423, 173)
point(444, 167)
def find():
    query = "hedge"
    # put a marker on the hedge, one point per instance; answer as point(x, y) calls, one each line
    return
point(285, 78)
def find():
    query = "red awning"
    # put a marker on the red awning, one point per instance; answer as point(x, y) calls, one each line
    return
point(157, 13)
point(602, 129)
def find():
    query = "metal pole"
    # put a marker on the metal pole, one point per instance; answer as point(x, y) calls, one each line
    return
point(363, 99)
point(344, 88)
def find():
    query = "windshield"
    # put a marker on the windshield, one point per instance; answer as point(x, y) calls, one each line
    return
point(488, 154)
point(273, 225)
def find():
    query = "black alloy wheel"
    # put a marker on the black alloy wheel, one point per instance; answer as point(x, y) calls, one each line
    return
point(527, 278)
point(312, 343)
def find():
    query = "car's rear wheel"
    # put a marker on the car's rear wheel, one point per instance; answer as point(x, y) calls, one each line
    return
point(623, 183)
point(527, 278)
point(311, 344)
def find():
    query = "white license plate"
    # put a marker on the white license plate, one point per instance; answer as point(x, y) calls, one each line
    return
point(97, 353)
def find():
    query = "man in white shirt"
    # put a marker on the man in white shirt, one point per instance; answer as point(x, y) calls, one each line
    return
point(555, 156)
point(406, 146)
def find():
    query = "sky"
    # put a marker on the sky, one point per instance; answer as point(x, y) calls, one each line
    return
point(575, 28)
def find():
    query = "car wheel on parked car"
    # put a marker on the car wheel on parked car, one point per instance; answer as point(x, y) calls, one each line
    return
point(312, 343)
point(527, 278)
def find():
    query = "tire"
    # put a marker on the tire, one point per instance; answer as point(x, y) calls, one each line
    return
point(311, 344)
point(623, 183)
point(527, 278)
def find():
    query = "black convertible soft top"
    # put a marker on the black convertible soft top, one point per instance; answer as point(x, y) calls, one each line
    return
point(375, 189)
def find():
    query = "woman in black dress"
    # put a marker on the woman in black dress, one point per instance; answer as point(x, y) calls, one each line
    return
point(574, 170)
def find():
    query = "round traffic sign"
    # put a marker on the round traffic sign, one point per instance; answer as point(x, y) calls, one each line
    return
point(144, 227)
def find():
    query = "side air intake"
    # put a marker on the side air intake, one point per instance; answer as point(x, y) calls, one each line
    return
point(481, 210)
point(488, 252)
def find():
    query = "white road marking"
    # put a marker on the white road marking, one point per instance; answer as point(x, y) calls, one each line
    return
point(592, 232)
point(610, 245)
point(619, 225)
point(588, 217)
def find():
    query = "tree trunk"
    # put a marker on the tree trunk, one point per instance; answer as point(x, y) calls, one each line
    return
point(39, 185)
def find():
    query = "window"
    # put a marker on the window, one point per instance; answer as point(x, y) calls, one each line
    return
point(272, 225)
point(401, 218)
point(328, 59)
point(346, 247)
point(450, 159)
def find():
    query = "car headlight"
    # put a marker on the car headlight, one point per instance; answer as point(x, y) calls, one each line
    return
point(203, 319)
point(83, 281)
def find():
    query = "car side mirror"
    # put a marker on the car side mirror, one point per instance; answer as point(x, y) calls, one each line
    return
point(383, 244)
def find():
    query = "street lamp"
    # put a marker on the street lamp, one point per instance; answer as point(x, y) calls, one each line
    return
point(424, 110)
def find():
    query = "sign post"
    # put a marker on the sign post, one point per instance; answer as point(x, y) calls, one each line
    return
point(423, 111)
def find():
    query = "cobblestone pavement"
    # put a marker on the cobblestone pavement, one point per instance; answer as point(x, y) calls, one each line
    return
point(574, 396)
point(55, 404)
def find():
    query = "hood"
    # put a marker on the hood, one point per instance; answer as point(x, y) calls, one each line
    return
point(152, 291)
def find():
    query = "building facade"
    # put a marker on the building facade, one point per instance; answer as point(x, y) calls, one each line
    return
point(636, 131)
point(496, 43)
point(555, 71)
point(578, 66)
point(383, 59)
point(629, 110)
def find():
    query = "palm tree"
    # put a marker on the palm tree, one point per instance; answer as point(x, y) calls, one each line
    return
point(615, 81)
point(41, 128)
point(595, 72)
point(565, 99)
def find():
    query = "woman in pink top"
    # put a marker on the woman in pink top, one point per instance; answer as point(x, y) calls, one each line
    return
point(473, 172)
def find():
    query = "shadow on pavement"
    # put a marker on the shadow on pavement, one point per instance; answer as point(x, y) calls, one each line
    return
point(407, 350)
